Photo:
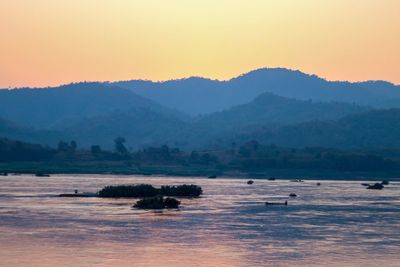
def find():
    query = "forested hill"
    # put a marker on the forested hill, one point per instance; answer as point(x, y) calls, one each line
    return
point(373, 129)
point(59, 107)
point(266, 111)
point(196, 95)
point(272, 106)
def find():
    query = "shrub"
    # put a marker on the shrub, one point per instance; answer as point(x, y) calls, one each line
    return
point(146, 190)
point(171, 203)
point(118, 191)
point(157, 202)
point(181, 190)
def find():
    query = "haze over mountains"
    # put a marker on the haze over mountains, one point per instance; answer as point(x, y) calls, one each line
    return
point(56, 108)
point(274, 106)
point(196, 96)
point(373, 129)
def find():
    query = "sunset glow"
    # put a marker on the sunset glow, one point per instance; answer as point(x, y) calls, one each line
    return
point(51, 42)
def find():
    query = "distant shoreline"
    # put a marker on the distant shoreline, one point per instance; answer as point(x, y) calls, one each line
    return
point(177, 171)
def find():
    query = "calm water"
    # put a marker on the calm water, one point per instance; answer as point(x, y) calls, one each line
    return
point(336, 224)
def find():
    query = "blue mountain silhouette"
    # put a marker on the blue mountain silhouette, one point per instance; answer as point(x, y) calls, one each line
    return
point(196, 96)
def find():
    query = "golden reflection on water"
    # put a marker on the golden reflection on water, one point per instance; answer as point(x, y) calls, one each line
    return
point(337, 224)
point(98, 254)
point(35, 253)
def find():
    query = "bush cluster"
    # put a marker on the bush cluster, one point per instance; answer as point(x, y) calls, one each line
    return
point(146, 190)
point(158, 202)
point(181, 190)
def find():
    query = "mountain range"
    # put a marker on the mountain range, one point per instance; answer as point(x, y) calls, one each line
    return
point(196, 96)
point(274, 106)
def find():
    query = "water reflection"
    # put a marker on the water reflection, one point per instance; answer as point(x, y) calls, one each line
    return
point(337, 223)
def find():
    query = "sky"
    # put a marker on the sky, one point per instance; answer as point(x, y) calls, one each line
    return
point(52, 42)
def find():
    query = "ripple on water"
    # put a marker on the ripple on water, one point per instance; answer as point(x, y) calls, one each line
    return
point(337, 223)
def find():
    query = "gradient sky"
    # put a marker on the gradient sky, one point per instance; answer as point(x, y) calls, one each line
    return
point(51, 42)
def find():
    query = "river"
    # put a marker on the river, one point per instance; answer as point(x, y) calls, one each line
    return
point(339, 223)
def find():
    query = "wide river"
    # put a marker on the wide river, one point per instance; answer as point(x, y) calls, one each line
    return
point(339, 223)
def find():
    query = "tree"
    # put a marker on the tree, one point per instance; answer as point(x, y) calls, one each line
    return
point(119, 146)
point(165, 152)
point(62, 146)
point(73, 145)
point(194, 156)
point(96, 149)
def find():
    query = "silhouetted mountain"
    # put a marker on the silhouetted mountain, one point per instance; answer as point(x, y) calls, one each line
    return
point(60, 107)
point(199, 96)
point(11, 150)
point(301, 110)
point(142, 126)
point(138, 126)
point(8, 128)
point(14, 131)
point(266, 110)
point(89, 113)
point(272, 109)
point(296, 84)
point(192, 96)
point(374, 129)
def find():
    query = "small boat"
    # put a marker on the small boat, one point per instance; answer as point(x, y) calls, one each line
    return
point(276, 203)
point(292, 195)
point(39, 174)
point(76, 194)
point(250, 182)
point(318, 184)
point(377, 186)
point(212, 177)
point(271, 179)
point(297, 180)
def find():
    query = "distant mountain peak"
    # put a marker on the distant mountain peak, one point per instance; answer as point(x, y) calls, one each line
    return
point(197, 95)
point(276, 73)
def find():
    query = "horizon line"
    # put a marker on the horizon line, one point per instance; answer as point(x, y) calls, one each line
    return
point(198, 77)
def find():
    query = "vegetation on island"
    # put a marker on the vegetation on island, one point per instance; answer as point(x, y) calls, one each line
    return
point(157, 202)
point(146, 190)
point(126, 191)
point(184, 190)
point(151, 197)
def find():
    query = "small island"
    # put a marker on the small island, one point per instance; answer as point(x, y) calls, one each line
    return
point(146, 190)
point(158, 202)
point(150, 197)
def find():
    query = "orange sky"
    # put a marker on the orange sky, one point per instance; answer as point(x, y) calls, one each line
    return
point(51, 42)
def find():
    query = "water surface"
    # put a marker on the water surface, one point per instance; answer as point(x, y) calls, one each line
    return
point(339, 223)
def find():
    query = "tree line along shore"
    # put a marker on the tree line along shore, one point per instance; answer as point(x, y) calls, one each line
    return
point(249, 159)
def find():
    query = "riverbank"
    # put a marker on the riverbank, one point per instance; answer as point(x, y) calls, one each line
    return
point(119, 168)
